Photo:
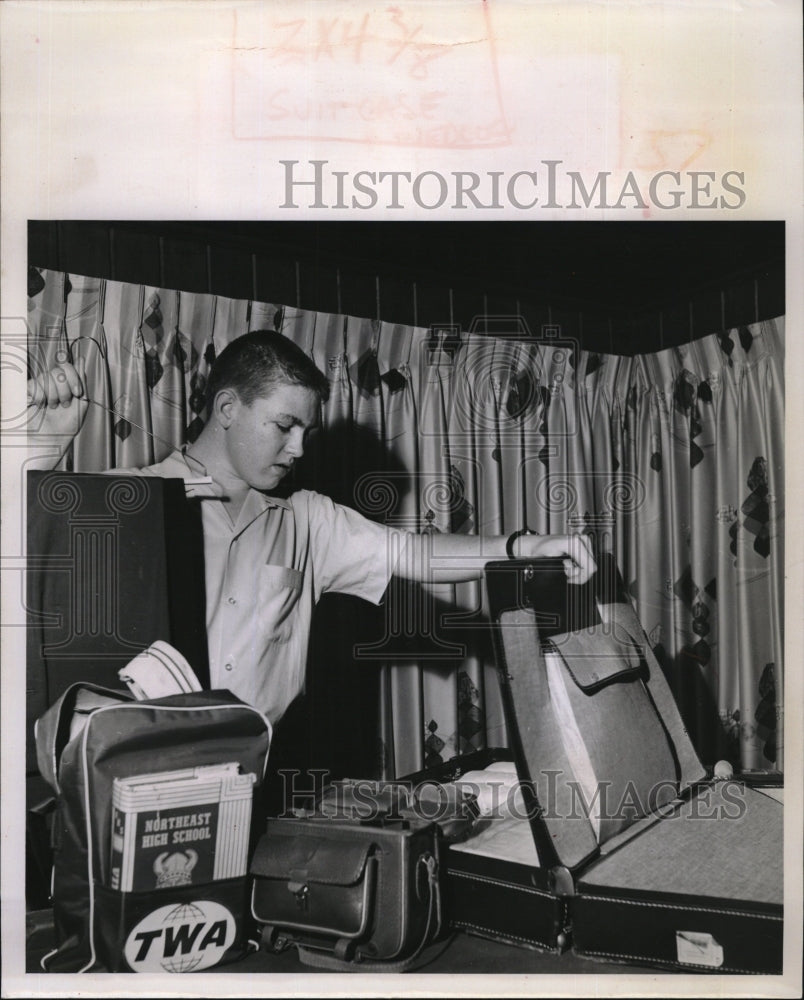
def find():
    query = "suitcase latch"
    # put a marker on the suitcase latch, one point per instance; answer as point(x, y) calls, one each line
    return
point(301, 890)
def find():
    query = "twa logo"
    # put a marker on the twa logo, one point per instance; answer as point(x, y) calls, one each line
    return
point(181, 938)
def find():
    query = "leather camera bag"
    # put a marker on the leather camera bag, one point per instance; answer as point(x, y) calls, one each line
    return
point(351, 895)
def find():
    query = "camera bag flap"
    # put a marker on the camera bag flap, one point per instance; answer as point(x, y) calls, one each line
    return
point(307, 881)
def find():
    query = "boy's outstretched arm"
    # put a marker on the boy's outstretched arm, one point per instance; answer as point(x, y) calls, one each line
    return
point(436, 558)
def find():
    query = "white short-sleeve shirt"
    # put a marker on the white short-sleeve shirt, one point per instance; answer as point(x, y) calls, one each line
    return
point(265, 573)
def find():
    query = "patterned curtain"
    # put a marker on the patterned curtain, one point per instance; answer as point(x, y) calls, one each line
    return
point(674, 459)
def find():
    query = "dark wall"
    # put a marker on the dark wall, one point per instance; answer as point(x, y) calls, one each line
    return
point(622, 288)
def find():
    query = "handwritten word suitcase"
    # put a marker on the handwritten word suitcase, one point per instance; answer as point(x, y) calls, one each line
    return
point(620, 844)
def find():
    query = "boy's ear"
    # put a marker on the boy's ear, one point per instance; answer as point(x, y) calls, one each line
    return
point(225, 405)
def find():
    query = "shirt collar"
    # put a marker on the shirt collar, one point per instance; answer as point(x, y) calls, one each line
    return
point(196, 469)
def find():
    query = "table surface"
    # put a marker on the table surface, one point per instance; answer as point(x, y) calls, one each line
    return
point(463, 954)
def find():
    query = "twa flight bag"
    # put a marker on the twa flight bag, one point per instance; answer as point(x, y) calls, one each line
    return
point(155, 807)
point(606, 833)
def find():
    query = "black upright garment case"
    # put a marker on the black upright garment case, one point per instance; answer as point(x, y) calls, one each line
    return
point(611, 837)
point(113, 564)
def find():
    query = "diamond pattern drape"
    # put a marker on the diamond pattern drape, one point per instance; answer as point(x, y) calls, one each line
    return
point(676, 456)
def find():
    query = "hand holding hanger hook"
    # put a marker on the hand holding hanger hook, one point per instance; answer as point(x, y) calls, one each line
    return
point(61, 396)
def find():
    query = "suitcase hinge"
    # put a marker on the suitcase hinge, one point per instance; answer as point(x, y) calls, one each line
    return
point(563, 930)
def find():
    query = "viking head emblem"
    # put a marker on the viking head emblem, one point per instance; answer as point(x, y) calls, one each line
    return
point(174, 869)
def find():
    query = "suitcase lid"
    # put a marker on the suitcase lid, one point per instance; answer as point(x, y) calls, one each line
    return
point(596, 735)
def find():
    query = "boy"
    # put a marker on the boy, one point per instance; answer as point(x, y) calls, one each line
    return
point(268, 559)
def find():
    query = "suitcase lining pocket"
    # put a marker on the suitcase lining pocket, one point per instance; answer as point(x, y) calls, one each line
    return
point(593, 657)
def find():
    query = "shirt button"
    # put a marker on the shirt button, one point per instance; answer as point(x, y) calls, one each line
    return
point(232, 600)
point(228, 666)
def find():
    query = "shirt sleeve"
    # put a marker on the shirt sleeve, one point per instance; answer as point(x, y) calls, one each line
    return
point(351, 554)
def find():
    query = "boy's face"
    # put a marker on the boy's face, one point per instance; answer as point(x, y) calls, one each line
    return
point(264, 438)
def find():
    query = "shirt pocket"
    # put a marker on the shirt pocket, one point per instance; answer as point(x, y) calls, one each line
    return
point(278, 594)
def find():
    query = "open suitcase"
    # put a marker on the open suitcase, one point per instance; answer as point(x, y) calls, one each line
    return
point(610, 837)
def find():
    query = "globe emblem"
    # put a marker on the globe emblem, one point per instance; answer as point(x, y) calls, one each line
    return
point(183, 913)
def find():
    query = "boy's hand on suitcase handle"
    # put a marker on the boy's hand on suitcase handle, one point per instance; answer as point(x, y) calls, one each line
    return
point(575, 550)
